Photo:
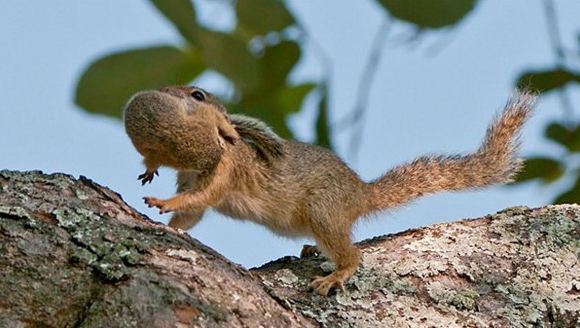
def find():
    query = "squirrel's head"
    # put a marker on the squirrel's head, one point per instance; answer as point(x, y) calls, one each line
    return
point(180, 126)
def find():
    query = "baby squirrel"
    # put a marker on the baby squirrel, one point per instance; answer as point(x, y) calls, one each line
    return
point(238, 166)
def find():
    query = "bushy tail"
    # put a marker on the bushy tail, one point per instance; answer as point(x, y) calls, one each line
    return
point(495, 162)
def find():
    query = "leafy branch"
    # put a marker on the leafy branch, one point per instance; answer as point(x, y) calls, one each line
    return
point(566, 133)
point(256, 56)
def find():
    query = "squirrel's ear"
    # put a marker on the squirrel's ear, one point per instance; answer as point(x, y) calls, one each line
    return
point(267, 144)
point(228, 132)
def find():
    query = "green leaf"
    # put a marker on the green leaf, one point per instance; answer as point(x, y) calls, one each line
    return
point(567, 137)
point(290, 98)
point(106, 85)
point(266, 111)
point(571, 196)
point(543, 168)
point(260, 17)
point(230, 57)
point(277, 62)
point(429, 13)
point(547, 80)
point(182, 14)
point(322, 124)
point(275, 107)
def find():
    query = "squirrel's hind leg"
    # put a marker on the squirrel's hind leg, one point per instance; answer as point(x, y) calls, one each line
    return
point(338, 246)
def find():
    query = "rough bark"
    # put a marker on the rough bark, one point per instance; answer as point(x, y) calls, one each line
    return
point(73, 254)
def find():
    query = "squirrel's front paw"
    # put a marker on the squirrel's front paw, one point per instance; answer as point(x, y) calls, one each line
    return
point(162, 205)
point(147, 176)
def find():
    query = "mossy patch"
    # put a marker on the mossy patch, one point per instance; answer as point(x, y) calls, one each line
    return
point(463, 299)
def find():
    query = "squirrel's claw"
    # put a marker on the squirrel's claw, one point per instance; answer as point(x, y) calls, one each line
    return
point(322, 285)
point(155, 202)
point(147, 176)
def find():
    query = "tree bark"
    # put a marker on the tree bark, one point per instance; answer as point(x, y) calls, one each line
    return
point(73, 254)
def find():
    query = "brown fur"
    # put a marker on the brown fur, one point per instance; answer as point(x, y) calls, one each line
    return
point(297, 189)
point(493, 163)
point(259, 136)
point(168, 127)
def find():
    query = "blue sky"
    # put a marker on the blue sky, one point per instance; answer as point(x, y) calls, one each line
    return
point(420, 102)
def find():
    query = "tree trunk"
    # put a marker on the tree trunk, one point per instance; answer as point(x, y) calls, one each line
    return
point(73, 254)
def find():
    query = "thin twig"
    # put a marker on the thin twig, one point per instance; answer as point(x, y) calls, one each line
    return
point(446, 38)
point(323, 58)
point(559, 54)
point(364, 87)
point(325, 61)
point(325, 64)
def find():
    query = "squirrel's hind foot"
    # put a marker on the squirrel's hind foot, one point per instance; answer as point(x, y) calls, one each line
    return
point(322, 285)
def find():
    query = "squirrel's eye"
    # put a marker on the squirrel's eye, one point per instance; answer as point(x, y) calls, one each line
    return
point(198, 95)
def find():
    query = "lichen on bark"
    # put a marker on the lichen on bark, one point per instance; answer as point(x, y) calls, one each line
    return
point(75, 255)
point(518, 268)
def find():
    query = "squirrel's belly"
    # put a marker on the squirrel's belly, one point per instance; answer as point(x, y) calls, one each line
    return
point(279, 219)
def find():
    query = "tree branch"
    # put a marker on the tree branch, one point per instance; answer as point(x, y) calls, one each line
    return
point(73, 254)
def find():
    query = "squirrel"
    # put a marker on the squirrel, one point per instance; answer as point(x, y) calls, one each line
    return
point(238, 166)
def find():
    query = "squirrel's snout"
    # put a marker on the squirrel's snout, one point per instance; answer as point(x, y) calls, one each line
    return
point(151, 103)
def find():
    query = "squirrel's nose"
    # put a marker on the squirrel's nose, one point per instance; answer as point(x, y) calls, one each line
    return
point(172, 90)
